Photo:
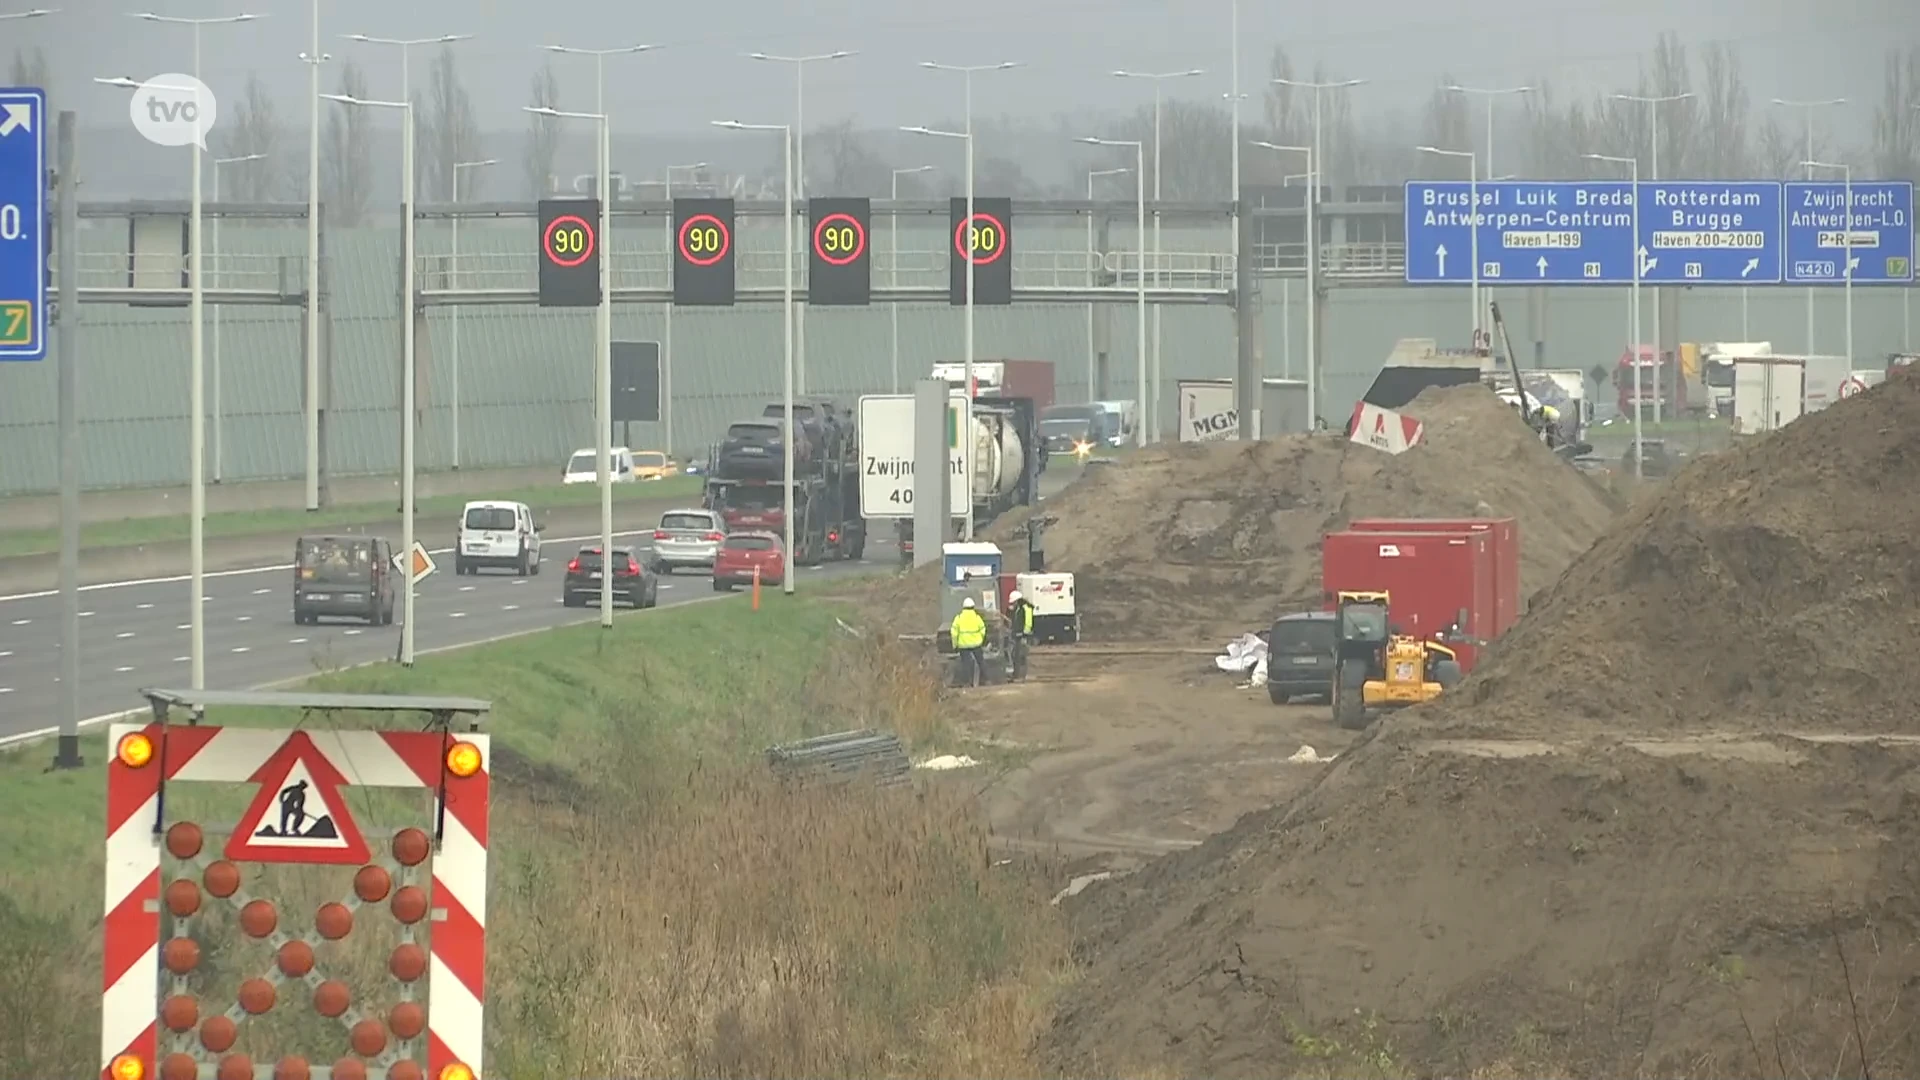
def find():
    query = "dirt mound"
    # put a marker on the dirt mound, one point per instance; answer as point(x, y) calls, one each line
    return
point(1208, 538)
point(1777, 580)
point(1713, 908)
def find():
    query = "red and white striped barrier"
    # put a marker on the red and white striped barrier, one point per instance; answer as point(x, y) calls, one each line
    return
point(298, 817)
point(1384, 429)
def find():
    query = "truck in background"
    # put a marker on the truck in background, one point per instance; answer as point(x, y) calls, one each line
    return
point(1205, 412)
point(1031, 379)
point(1009, 455)
point(1716, 366)
point(1415, 364)
point(1768, 392)
point(747, 484)
point(1662, 381)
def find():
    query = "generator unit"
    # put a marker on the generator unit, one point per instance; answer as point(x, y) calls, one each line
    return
point(1056, 619)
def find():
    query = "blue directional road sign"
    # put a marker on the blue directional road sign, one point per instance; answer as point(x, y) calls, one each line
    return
point(1882, 229)
point(1530, 232)
point(23, 222)
point(1710, 232)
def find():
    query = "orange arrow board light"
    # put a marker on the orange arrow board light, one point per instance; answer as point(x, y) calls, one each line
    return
point(423, 564)
point(299, 815)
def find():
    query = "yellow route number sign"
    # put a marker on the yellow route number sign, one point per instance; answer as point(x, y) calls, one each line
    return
point(16, 322)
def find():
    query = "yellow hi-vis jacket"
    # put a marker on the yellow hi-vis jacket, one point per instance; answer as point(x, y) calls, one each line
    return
point(969, 630)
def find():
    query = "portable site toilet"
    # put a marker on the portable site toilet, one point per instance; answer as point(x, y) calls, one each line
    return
point(967, 569)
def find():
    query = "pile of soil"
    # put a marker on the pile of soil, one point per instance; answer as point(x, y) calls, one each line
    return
point(1777, 581)
point(1201, 540)
point(1719, 908)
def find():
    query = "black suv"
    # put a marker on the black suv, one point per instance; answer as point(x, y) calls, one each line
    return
point(1300, 656)
point(634, 583)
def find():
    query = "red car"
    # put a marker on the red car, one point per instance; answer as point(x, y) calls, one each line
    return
point(741, 553)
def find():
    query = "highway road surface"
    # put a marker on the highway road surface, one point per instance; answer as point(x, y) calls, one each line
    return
point(134, 634)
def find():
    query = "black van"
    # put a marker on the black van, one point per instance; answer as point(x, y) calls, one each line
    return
point(1300, 656)
point(345, 576)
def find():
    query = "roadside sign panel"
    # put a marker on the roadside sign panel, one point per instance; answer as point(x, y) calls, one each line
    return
point(23, 224)
point(886, 457)
point(423, 564)
point(1881, 223)
point(1577, 232)
point(1710, 232)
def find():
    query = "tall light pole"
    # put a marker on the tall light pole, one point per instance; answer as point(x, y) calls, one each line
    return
point(219, 450)
point(1473, 220)
point(313, 58)
point(786, 318)
point(1653, 173)
point(1140, 274)
point(600, 70)
point(602, 352)
point(1152, 404)
point(1806, 108)
point(1318, 167)
point(407, 372)
point(1313, 316)
point(893, 264)
point(455, 270)
point(666, 345)
point(799, 136)
point(967, 72)
point(1491, 95)
point(1092, 276)
point(196, 379)
point(1233, 135)
point(1846, 243)
point(1633, 305)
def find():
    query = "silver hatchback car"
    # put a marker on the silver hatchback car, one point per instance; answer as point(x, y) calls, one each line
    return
point(689, 538)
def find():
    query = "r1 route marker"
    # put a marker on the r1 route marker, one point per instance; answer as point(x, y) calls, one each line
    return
point(23, 223)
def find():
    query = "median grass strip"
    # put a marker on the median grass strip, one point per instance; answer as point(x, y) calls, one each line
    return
point(441, 508)
point(660, 904)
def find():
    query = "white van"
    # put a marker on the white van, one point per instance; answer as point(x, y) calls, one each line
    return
point(580, 468)
point(499, 534)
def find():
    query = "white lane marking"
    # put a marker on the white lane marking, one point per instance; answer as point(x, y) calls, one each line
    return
point(121, 670)
point(4, 653)
point(6, 689)
point(518, 581)
point(503, 607)
point(297, 641)
point(85, 614)
point(261, 592)
point(207, 599)
point(21, 622)
point(124, 635)
point(466, 588)
point(276, 568)
point(243, 618)
point(456, 614)
point(241, 648)
point(184, 626)
point(144, 607)
point(181, 659)
point(350, 633)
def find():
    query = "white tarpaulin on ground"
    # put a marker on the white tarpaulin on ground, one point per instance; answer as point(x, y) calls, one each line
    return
point(1243, 654)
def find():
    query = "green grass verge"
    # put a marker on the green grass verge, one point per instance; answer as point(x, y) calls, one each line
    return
point(151, 530)
point(745, 927)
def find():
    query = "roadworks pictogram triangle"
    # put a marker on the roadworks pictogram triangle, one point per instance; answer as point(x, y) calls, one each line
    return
point(299, 815)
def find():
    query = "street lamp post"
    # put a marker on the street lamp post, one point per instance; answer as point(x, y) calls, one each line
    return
point(799, 136)
point(1092, 275)
point(196, 379)
point(1312, 261)
point(1633, 306)
point(1140, 273)
point(219, 449)
point(1473, 222)
point(1807, 107)
point(967, 72)
point(893, 264)
point(453, 273)
point(313, 58)
point(786, 426)
point(1846, 243)
point(407, 344)
point(1152, 405)
point(1653, 138)
point(1318, 166)
point(666, 344)
point(602, 353)
point(1491, 95)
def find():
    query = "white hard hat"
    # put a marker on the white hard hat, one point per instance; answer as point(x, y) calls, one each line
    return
point(967, 603)
point(1012, 596)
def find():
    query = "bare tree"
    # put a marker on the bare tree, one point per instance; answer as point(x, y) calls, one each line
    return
point(1195, 148)
point(347, 163)
point(1288, 115)
point(1777, 152)
point(1445, 125)
point(255, 129)
point(30, 68)
point(450, 135)
point(1670, 76)
point(1724, 111)
point(845, 164)
point(543, 133)
point(1556, 134)
point(1896, 122)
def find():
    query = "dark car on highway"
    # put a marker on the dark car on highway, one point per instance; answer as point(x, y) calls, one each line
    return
point(1300, 656)
point(634, 584)
point(343, 576)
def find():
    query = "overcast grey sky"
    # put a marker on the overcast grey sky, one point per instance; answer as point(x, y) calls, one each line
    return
point(1798, 50)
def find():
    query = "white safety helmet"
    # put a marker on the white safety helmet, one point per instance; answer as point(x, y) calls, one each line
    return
point(1013, 597)
point(967, 603)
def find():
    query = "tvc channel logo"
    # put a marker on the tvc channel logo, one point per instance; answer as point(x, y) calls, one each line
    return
point(173, 110)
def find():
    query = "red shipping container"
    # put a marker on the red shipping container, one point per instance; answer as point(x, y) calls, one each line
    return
point(1431, 579)
point(1505, 534)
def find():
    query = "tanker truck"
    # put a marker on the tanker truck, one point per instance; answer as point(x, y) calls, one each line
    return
point(1008, 458)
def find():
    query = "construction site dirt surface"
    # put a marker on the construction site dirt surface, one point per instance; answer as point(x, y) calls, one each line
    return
point(1671, 827)
point(1199, 542)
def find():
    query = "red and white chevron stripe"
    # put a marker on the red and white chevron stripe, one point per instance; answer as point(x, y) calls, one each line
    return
point(129, 1023)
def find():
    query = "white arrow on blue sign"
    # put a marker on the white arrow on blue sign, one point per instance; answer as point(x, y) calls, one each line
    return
point(1531, 232)
point(23, 224)
point(1881, 226)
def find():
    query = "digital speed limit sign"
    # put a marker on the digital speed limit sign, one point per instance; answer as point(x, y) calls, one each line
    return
point(840, 259)
point(703, 252)
point(569, 253)
point(986, 241)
